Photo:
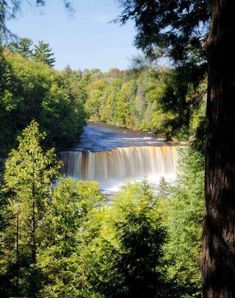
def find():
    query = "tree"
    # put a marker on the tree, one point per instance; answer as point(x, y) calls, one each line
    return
point(28, 178)
point(218, 256)
point(176, 28)
point(71, 205)
point(43, 53)
point(121, 250)
point(10, 8)
point(23, 47)
point(182, 206)
point(32, 90)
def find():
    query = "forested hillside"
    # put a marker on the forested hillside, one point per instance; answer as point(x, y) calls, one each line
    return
point(59, 237)
point(156, 99)
point(65, 236)
point(31, 89)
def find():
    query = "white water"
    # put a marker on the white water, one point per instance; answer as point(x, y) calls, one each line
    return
point(115, 167)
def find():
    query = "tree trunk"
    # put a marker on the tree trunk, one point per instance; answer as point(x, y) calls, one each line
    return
point(218, 248)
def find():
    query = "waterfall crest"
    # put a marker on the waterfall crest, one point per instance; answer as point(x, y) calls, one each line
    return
point(121, 164)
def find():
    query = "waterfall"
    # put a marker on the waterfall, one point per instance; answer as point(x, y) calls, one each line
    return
point(121, 164)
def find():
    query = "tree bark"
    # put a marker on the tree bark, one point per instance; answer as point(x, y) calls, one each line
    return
point(218, 247)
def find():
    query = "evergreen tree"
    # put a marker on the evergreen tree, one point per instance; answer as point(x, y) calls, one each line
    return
point(182, 206)
point(71, 205)
point(181, 30)
point(23, 47)
point(43, 53)
point(28, 178)
point(121, 247)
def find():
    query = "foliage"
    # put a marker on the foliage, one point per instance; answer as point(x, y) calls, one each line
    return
point(23, 47)
point(121, 251)
point(182, 205)
point(40, 52)
point(32, 90)
point(71, 205)
point(134, 246)
point(159, 100)
point(28, 178)
point(175, 29)
point(43, 53)
point(60, 240)
point(9, 9)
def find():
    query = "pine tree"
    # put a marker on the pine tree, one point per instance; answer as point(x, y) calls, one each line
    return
point(23, 47)
point(29, 175)
point(72, 203)
point(43, 53)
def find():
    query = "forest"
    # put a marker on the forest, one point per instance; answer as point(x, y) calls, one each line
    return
point(58, 242)
point(63, 237)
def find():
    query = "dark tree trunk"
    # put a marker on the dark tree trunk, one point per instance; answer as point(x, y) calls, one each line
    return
point(218, 249)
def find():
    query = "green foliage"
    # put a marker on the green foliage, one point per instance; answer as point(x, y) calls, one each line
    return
point(43, 53)
point(71, 205)
point(23, 47)
point(175, 30)
point(121, 251)
point(32, 90)
point(162, 101)
point(29, 174)
point(182, 205)
point(134, 246)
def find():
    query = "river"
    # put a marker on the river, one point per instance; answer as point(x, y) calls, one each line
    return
point(114, 156)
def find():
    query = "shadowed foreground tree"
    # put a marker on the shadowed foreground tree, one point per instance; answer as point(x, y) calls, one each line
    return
point(218, 255)
point(176, 28)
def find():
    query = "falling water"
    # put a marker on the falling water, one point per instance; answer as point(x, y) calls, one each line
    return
point(120, 165)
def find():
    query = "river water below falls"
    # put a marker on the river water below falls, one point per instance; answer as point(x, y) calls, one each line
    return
point(114, 156)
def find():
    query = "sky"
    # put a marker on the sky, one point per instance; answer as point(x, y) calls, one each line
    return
point(83, 39)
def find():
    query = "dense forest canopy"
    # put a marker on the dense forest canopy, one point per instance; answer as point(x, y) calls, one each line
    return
point(68, 242)
point(33, 90)
point(64, 238)
point(34, 216)
point(150, 98)
point(155, 99)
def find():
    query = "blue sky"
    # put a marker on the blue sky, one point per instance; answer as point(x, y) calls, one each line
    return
point(84, 39)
